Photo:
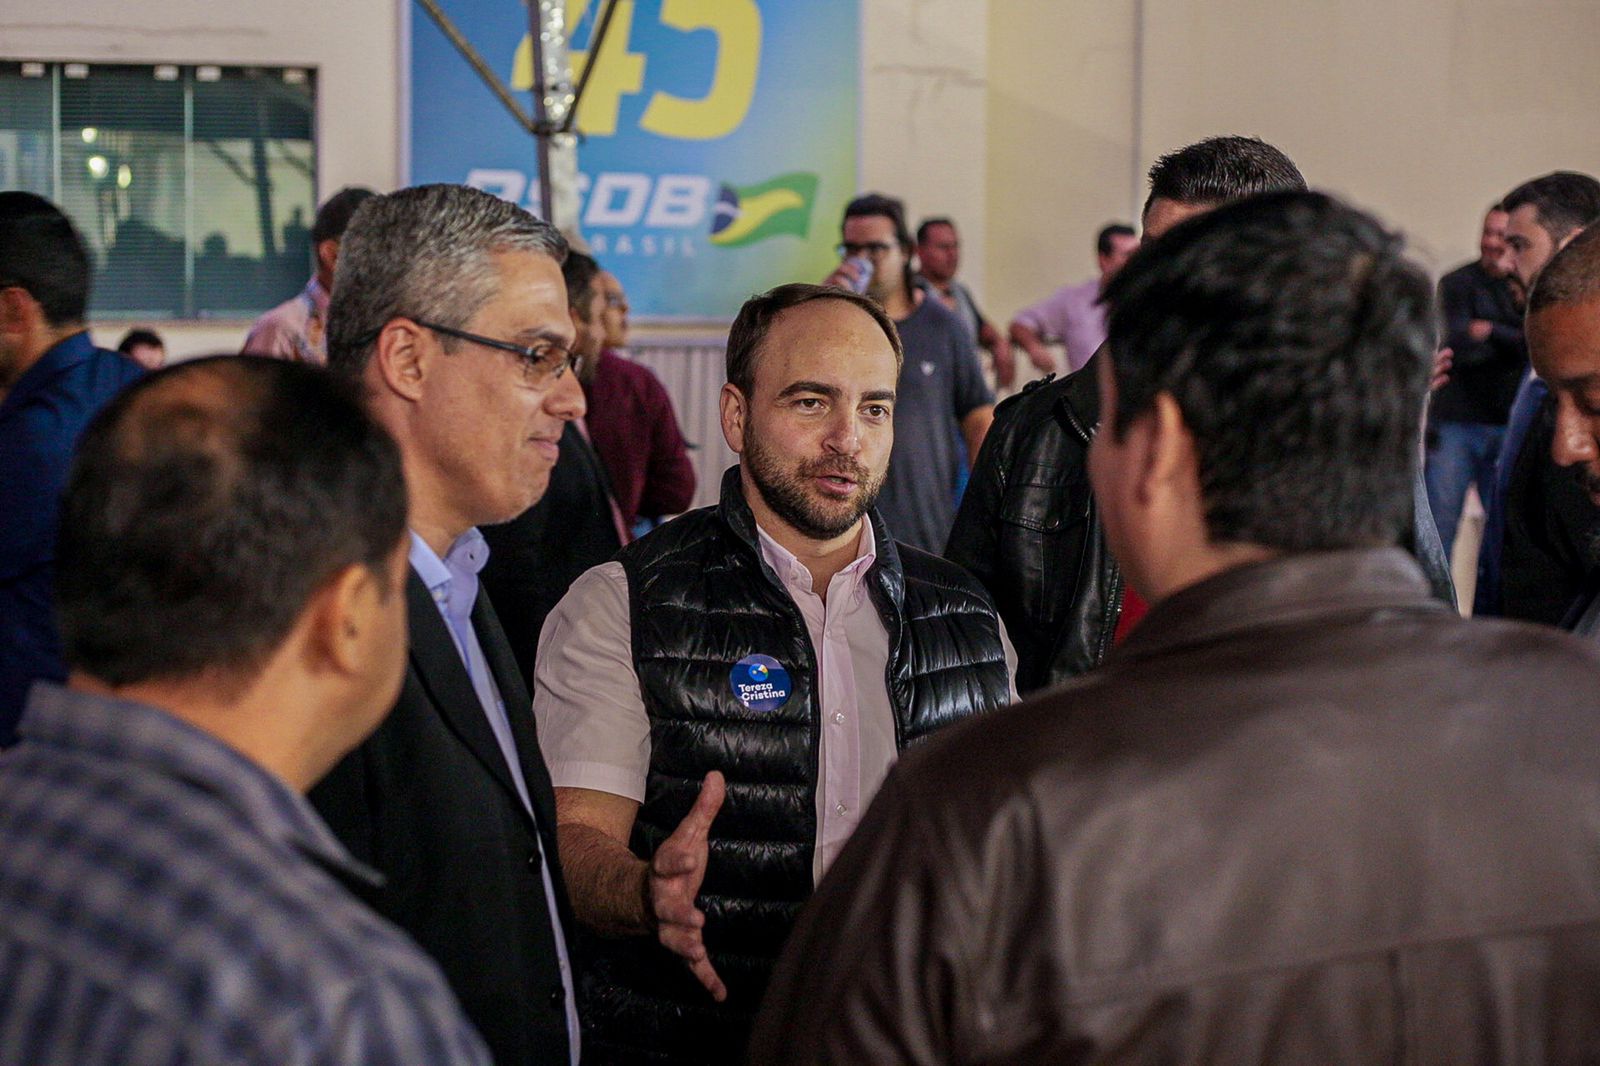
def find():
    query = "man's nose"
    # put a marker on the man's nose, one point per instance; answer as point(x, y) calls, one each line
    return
point(1572, 442)
point(844, 434)
point(565, 399)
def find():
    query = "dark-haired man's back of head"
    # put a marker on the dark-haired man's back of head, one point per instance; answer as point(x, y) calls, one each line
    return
point(1543, 214)
point(41, 253)
point(230, 588)
point(1214, 171)
point(208, 506)
point(1295, 338)
point(44, 282)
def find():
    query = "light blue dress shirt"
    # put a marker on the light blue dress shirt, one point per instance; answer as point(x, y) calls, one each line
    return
point(453, 583)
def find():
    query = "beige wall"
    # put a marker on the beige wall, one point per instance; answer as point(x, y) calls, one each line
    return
point(925, 114)
point(1423, 111)
point(1061, 162)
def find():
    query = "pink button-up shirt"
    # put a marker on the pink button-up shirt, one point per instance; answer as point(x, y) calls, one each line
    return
point(295, 330)
point(1070, 315)
point(857, 728)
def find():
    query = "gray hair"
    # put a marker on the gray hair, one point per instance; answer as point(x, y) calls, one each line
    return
point(423, 252)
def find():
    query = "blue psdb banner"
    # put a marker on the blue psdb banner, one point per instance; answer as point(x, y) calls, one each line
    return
point(719, 136)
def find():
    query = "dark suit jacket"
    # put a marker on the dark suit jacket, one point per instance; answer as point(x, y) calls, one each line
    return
point(429, 801)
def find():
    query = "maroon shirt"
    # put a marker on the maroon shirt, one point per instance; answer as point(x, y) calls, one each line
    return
point(635, 432)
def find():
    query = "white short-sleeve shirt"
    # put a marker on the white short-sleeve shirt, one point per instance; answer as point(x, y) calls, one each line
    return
point(595, 732)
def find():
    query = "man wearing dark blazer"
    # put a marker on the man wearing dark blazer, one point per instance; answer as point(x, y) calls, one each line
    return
point(449, 306)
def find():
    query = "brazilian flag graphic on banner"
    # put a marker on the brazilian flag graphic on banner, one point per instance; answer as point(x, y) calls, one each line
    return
point(755, 212)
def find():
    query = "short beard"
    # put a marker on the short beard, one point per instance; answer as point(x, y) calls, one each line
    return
point(786, 494)
point(1590, 482)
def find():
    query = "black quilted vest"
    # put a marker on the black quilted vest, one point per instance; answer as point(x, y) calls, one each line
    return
point(702, 600)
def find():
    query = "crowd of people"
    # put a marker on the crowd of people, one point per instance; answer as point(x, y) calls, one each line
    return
point(359, 705)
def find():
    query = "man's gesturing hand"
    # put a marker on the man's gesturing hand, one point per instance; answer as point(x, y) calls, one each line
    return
point(673, 880)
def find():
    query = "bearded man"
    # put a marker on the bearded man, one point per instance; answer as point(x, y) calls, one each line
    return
point(720, 703)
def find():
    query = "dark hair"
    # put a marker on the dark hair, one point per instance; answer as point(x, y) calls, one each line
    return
point(1219, 169)
point(755, 320)
point(206, 505)
point(1563, 201)
point(877, 205)
point(1297, 339)
point(136, 337)
point(1102, 240)
point(41, 252)
point(928, 223)
point(333, 217)
point(1572, 275)
point(579, 272)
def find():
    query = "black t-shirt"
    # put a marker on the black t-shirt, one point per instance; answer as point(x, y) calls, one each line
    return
point(1484, 374)
point(1551, 531)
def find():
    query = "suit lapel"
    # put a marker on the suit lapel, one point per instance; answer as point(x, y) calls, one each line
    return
point(519, 706)
point(439, 666)
point(519, 711)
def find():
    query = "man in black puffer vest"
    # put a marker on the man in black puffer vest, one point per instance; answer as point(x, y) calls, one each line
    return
point(720, 704)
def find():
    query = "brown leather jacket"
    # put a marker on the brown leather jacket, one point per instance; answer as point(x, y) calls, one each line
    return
point(1029, 530)
point(1302, 815)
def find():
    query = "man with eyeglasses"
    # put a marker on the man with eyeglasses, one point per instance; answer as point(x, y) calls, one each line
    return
point(449, 306)
point(942, 399)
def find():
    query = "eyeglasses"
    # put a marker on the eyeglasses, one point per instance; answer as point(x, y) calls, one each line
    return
point(541, 365)
point(873, 250)
point(616, 299)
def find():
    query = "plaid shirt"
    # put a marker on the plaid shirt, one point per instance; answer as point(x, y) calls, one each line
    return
point(163, 899)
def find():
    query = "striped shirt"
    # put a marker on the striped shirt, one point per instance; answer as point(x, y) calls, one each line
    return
point(163, 899)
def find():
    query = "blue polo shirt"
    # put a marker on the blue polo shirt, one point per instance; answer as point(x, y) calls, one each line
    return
point(41, 419)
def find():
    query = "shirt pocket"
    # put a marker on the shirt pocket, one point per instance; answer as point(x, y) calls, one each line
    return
point(1043, 531)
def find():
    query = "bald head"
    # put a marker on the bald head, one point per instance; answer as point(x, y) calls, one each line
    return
point(1573, 276)
point(1564, 344)
point(206, 505)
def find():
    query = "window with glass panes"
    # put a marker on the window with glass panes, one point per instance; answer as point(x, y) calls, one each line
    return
point(194, 186)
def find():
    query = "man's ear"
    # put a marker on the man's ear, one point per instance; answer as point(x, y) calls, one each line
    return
point(401, 359)
point(338, 615)
point(1170, 462)
point(327, 255)
point(19, 311)
point(735, 410)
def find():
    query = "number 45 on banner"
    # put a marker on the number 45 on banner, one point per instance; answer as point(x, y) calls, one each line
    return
point(737, 24)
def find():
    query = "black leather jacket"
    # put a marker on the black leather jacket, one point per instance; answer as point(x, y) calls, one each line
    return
point(1029, 529)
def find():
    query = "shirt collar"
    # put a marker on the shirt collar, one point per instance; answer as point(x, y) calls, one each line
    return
point(1290, 589)
point(793, 573)
point(138, 735)
point(453, 580)
point(317, 295)
point(60, 356)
